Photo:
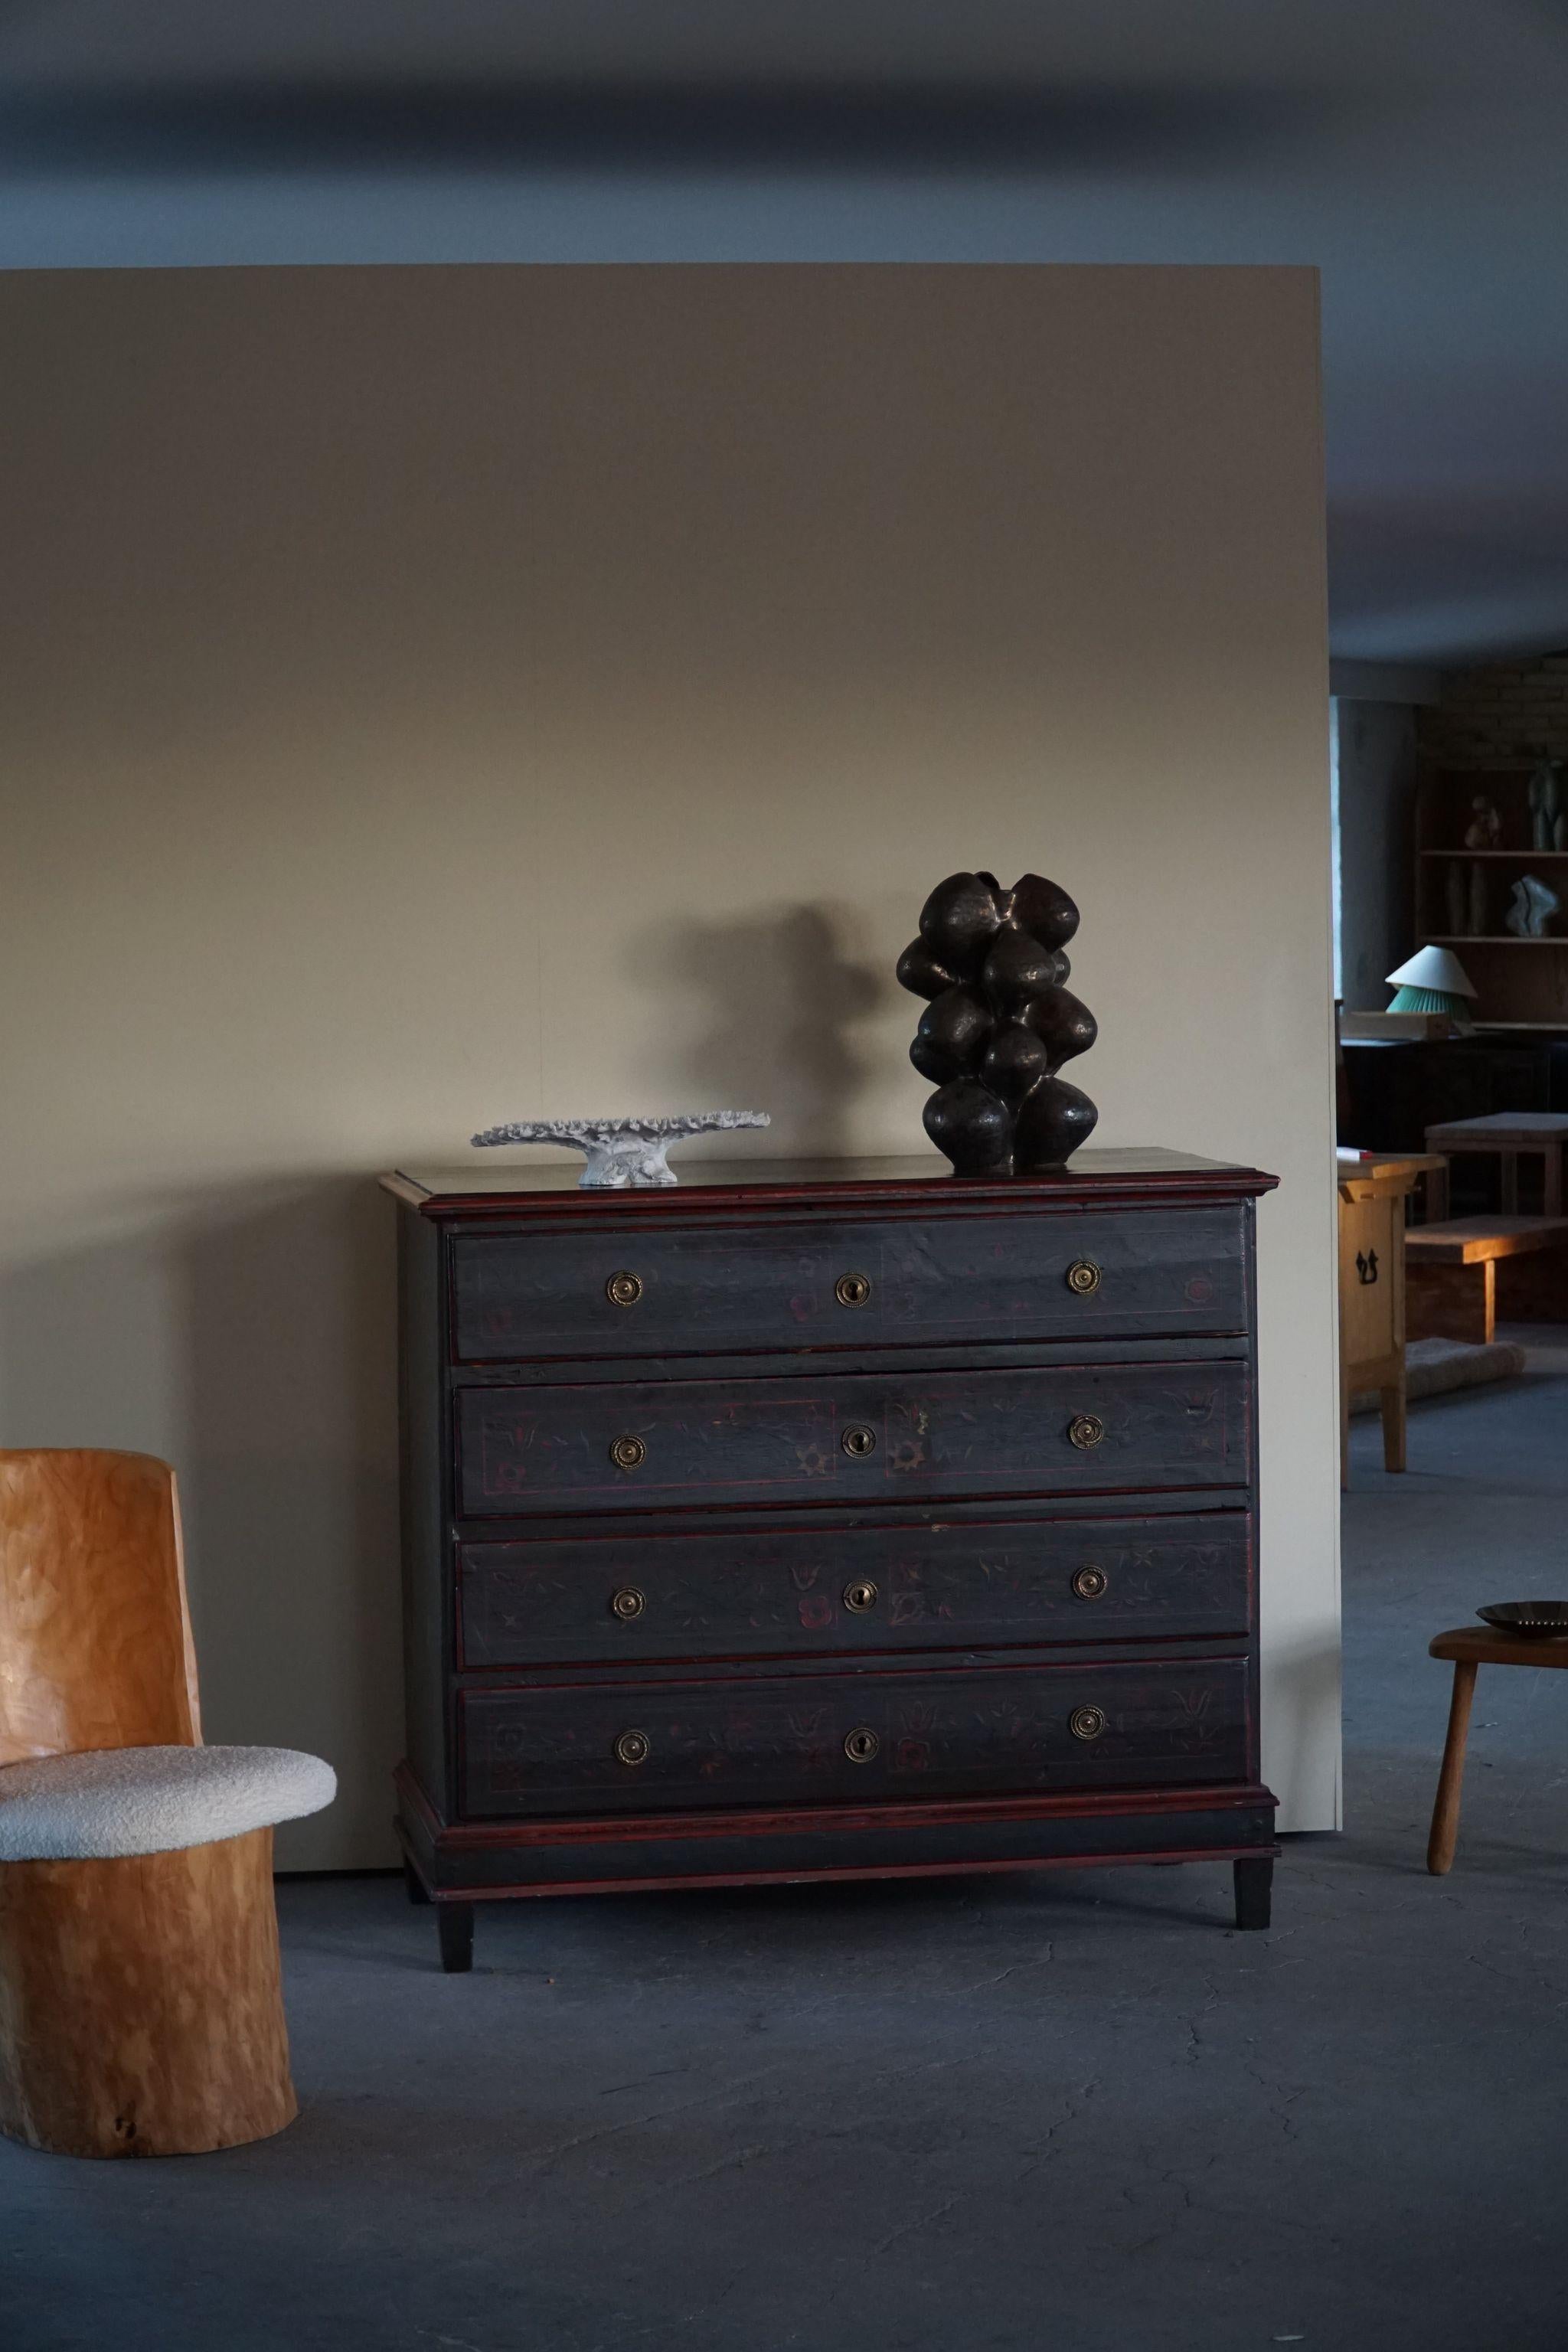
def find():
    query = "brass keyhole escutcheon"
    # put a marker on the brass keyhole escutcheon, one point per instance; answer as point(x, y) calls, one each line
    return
point(1083, 1276)
point(1086, 1429)
point(1086, 1722)
point(628, 1603)
point(624, 1289)
point(628, 1452)
point(1089, 1583)
point(852, 1289)
point(860, 1596)
point(632, 1747)
point(862, 1745)
point(859, 1442)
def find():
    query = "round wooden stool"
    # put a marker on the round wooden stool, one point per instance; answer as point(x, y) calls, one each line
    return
point(1471, 1646)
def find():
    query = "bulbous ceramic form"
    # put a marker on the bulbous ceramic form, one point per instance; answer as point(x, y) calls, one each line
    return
point(999, 1024)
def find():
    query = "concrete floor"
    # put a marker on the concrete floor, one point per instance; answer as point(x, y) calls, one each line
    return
point(1063, 2111)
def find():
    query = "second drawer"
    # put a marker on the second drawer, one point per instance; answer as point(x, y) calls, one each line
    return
point(888, 1435)
point(923, 1585)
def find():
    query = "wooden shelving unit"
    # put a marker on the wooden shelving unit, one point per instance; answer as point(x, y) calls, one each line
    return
point(1514, 990)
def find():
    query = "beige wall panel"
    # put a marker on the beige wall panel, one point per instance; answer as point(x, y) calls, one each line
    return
point(441, 695)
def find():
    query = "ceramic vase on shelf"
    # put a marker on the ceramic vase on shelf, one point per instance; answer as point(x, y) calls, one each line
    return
point(1476, 925)
point(1485, 832)
point(1534, 904)
point(1455, 882)
point(1548, 825)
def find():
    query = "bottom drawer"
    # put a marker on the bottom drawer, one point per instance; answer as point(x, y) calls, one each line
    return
point(847, 1738)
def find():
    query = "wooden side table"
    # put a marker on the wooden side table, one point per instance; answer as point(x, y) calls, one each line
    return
point(1471, 1646)
point(1508, 1133)
point(1371, 1298)
point(1431, 1167)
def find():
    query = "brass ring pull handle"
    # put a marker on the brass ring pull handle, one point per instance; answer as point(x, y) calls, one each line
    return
point(1089, 1583)
point(628, 1452)
point(860, 1596)
point(1086, 1722)
point(624, 1289)
point(632, 1748)
point(1086, 1431)
point(859, 1442)
point(852, 1289)
point(861, 1745)
point(628, 1603)
point(1083, 1276)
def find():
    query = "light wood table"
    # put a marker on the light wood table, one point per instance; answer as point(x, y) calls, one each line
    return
point(1508, 1133)
point(1471, 1646)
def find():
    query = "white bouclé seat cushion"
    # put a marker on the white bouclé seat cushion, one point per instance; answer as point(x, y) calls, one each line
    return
point(120, 1800)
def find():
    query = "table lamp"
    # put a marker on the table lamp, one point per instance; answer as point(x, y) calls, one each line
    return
point(1434, 981)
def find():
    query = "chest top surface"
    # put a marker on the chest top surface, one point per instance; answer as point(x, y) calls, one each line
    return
point(1123, 1177)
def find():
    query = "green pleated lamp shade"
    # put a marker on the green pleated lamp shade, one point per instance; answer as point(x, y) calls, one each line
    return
point(1434, 981)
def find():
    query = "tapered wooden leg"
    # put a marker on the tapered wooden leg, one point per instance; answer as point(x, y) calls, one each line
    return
point(416, 1889)
point(1445, 1812)
point(1393, 1400)
point(455, 1923)
point(1254, 1890)
point(141, 2008)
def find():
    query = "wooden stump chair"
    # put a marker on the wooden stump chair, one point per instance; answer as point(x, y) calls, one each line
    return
point(141, 2009)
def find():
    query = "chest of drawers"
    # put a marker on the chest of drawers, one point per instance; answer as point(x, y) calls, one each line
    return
point(848, 1520)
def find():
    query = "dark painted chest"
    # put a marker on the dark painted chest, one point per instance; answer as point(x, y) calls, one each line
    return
point(808, 1522)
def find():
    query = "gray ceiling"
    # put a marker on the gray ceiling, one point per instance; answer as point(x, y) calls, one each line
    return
point(1417, 153)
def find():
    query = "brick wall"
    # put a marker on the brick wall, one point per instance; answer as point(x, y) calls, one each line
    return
point(1494, 717)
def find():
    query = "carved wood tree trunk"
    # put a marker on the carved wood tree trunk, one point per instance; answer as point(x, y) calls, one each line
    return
point(141, 2008)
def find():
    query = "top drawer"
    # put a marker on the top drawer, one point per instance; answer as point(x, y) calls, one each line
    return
point(1120, 1274)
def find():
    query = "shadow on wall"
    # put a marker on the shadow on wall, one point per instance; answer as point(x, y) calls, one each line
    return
point(780, 994)
point(248, 1336)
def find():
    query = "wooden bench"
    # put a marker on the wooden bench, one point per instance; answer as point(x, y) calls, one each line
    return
point(1459, 1276)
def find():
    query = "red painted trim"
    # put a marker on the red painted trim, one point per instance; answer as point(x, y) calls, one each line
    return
point(625, 1828)
point(862, 1871)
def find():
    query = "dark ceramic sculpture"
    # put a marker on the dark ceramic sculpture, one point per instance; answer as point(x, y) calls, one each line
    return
point(999, 1025)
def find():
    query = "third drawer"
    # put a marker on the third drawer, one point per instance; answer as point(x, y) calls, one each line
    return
point(850, 1738)
point(918, 1584)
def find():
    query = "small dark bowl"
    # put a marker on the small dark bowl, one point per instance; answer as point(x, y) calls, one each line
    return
point(1527, 1616)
